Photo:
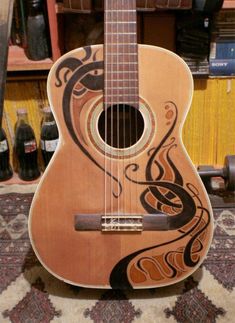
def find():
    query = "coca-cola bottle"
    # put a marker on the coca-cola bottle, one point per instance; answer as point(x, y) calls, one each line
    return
point(37, 31)
point(5, 167)
point(25, 148)
point(49, 135)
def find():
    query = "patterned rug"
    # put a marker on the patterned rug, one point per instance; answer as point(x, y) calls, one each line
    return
point(29, 294)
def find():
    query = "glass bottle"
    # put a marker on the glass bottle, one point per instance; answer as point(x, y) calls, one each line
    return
point(25, 148)
point(5, 167)
point(37, 31)
point(49, 135)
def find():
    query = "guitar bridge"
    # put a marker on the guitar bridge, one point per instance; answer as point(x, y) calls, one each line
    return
point(122, 223)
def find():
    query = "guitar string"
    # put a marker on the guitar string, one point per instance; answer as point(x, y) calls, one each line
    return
point(129, 82)
point(124, 109)
point(110, 91)
point(105, 111)
point(132, 85)
point(133, 50)
point(117, 47)
point(112, 97)
point(136, 86)
point(109, 98)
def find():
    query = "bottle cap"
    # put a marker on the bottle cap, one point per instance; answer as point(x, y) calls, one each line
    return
point(21, 111)
point(47, 110)
point(33, 2)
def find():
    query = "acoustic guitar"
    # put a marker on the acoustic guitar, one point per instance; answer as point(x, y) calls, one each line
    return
point(120, 204)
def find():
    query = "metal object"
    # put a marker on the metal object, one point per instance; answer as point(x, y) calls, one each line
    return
point(207, 172)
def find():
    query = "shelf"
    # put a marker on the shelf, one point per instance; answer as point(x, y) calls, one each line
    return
point(228, 4)
point(17, 61)
point(59, 8)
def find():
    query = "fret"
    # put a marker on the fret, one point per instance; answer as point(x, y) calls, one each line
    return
point(120, 10)
point(129, 87)
point(123, 72)
point(121, 84)
point(121, 54)
point(124, 82)
point(115, 96)
point(109, 39)
point(126, 100)
point(121, 33)
point(121, 44)
point(121, 29)
point(133, 103)
point(127, 68)
point(111, 77)
point(121, 16)
point(124, 63)
point(130, 102)
point(117, 30)
point(116, 93)
point(117, 48)
point(121, 90)
point(123, 69)
point(119, 60)
point(120, 22)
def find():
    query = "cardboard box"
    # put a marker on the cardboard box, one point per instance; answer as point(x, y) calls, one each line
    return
point(162, 27)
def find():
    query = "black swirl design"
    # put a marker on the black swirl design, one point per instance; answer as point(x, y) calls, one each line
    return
point(184, 201)
point(90, 76)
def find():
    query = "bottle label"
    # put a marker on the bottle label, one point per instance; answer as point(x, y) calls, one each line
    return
point(3, 146)
point(30, 146)
point(49, 145)
point(49, 123)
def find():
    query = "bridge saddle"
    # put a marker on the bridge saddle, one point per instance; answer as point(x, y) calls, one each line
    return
point(122, 223)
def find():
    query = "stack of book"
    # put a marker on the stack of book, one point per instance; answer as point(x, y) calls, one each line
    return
point(198, 66)
point(222, 53)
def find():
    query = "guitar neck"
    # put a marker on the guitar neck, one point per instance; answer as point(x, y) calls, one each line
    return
point(121, 54)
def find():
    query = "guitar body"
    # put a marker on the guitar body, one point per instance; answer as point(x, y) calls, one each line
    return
point(154, 177)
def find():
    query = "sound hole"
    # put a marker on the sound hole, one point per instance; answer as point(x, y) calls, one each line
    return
point(121, 125)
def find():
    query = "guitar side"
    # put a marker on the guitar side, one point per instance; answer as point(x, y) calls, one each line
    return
point(154, 176)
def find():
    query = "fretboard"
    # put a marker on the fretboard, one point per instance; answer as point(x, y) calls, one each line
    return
point(121, 54)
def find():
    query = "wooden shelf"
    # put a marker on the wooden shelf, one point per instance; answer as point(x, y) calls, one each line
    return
point(228, 4)
point(59, 8)
point(18, 61)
